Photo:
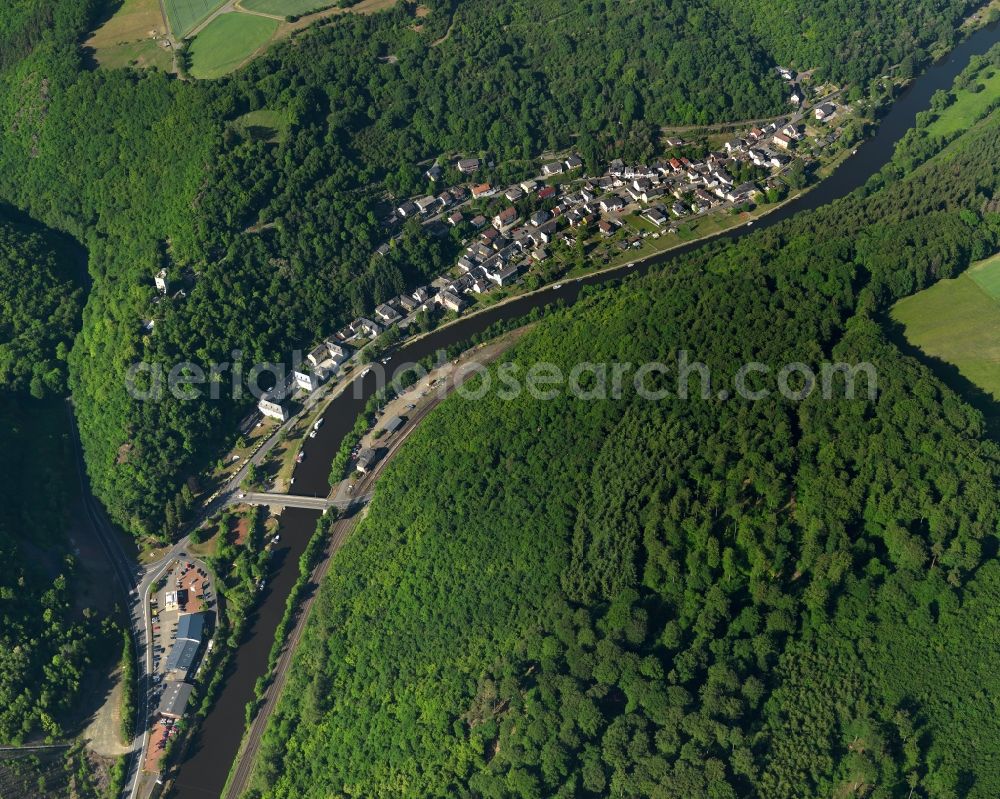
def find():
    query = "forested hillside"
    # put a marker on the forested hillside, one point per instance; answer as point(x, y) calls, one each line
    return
point(150, 172)
point(47, 638)
point(698, 598)
point(40, 304)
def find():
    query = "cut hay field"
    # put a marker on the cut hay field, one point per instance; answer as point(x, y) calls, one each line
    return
point(132, 36)
point(958, 321)
point(184, 15)
point(229, 41)
point(286, 8)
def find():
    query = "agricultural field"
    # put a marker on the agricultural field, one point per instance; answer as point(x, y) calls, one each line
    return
point(133, 36)
point(958, 321)
point(286, 8)
point(185, 15)
point(228, 42)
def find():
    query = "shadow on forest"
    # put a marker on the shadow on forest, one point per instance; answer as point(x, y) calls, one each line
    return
point(948, 374)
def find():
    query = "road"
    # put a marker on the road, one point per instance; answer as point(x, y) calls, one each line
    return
point(339, 533)
point(295, 501)
point(128, 576)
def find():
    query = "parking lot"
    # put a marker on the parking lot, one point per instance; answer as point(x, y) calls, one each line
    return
point(185, 588)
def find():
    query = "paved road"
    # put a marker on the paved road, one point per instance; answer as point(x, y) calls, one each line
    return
point(294, 501)
point(128, 576)
point(339, 533)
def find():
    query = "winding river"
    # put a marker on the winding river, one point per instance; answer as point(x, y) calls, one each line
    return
point(203, 773)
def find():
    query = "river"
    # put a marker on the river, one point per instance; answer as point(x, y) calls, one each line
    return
point(203, 773)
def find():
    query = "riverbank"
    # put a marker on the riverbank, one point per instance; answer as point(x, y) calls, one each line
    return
point(312, 475)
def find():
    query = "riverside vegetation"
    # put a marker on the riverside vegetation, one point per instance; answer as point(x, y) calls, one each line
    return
point(704, 598)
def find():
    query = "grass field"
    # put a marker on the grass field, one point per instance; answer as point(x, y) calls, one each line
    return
point(184, 15)
point(968, 106)
point(132, 36)
point(286, 8)
point(263, 125)
point(987, 276)
point(958, 321)
point(228, 42)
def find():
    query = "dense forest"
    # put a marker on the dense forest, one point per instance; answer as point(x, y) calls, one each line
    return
point(40, 308)
point(269, 240)
point(699, 598)
point(47, 638)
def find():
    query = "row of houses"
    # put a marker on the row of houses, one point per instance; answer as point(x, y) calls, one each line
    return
point(510, 243)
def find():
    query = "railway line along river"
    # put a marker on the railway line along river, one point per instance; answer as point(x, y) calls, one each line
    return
point(203, 772)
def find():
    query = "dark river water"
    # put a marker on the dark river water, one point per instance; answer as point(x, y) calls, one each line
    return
point(204, 771)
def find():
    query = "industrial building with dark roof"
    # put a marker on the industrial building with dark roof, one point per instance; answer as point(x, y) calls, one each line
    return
point(190, 628)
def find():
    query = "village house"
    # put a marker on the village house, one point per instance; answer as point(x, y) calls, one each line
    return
point(782, 141)
point(270, 406)
point(387, 314)
point(723, 177)
point(468, 165)
point(824, 111)
point(425, 204)
point(480, 282)
point(161, 282)
point(539, 254)
point(605, 227)
point(678, 209)
point(554, 168)
point(529, 186)
point(450, 301)
point(434, 173)
point(797, 96)
point(547, 231)
point(547, 193)
point(444, 199)
point(539, 218)
point(655, 215)
point(482, 190)
point(673, 141)
point(407, 303)
point(612, 203)
point(513, 194)
point(456, 218)
point(478, 221)
point(365, 327)
point(506, 218)
point(573, 162)
point(307, 378)
point(338, 352)
point(504, 276)
point(407, 209)
point(421, 294)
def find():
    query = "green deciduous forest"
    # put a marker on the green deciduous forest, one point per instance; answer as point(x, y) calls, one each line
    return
point(699, 598)
point(272, 241)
